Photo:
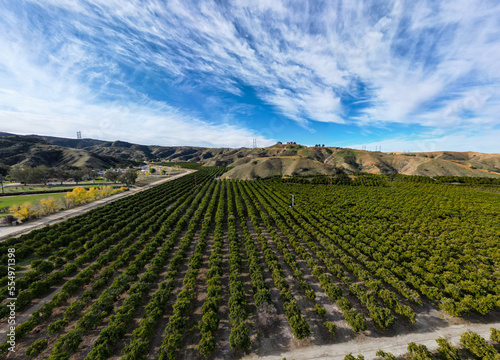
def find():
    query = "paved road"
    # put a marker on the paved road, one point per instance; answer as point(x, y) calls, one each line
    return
point(9, 231)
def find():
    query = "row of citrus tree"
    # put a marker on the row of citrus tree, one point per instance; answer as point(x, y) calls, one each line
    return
point(111, 247)
point(408, 262)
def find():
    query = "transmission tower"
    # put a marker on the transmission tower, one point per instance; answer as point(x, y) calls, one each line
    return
point(254, 144)
point(78, 134)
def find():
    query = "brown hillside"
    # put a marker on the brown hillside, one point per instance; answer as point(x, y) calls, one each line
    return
point(246, 163)
point(295, 160)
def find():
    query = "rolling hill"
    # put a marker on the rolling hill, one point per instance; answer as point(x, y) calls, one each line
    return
point(246, 163)
point(297, 160)
point(25, 151)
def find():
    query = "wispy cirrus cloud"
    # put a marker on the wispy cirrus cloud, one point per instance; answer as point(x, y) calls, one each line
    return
point(365, 63)
point(61, 83)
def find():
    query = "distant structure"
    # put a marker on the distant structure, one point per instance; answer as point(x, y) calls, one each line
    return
point(291, 143)
point(254, 145)
point(78, 134)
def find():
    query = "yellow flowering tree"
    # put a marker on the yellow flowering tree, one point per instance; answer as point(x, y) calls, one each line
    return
point(24, 211)
point(78, 196)
point(48, 206)
point(105, 191)
point(92, 194)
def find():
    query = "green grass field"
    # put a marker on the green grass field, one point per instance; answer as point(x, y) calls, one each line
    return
point(8, 201)
point(16, 189)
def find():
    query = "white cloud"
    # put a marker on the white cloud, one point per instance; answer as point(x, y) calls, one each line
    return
point(434, 64)
point(134, 124)
point(47, 89)
point(478, 141)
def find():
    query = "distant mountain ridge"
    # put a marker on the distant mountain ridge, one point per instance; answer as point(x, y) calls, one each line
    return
point(34, 150)
point(298, 160)
point(246, 163)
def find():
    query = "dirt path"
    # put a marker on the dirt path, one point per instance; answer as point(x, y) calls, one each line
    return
point(9, 231)
point(368, 346)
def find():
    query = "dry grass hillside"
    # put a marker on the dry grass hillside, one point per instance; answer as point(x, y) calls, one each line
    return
point(24, 151)
point(246, 163)
point(298, 160)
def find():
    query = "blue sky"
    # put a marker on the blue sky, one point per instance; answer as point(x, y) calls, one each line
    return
point(400, 75)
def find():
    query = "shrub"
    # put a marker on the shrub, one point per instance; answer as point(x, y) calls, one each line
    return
point(419, 352)
point(320, 310)
point(351, 357)
point(495, 335)
point(478, 346)
point(331, 327)
point(446, 350)
point(310, 294)
point(384, 355)
point(240, 338)
point(36, 348)
point(9, 219)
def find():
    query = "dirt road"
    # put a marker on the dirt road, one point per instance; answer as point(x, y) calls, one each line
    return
point(9, 231)
point(368, 346)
